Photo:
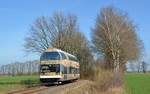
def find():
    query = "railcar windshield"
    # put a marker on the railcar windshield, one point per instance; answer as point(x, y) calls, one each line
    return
point(50, 56)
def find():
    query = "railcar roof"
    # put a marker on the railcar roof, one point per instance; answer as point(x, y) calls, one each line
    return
point(58, 50)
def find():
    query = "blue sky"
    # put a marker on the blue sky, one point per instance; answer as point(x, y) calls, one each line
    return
point(17, 15)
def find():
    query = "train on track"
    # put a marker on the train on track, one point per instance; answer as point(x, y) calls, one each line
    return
point(57, 66)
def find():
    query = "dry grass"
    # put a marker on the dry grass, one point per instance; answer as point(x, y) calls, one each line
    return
point(8, 88)
point(106, 80)
point(117, 90)
point(88, 89)
point(103, 82)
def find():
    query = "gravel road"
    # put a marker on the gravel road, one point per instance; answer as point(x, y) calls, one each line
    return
point(61, 89)
point(51, 89)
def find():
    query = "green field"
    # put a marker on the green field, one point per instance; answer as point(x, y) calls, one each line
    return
point(10, 83)
point(18, 79)
point(138, 83)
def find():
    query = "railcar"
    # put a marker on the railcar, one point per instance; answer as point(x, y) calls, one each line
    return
point(57, 66)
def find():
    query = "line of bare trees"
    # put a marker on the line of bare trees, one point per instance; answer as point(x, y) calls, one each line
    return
point(19, 68)
point(140, 66)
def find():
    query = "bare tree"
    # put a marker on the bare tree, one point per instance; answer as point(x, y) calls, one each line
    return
point(62, 32)
point(47, 32)
point(144, 67)
point(114, 37)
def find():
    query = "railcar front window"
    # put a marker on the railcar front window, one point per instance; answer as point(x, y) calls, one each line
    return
point(45, 69)
point(50, 56)
point(50, 68)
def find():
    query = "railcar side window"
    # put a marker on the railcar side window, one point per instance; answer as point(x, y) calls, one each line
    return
point(63, 56)
point(57, 68)
point(72, 58)
point(65, 70)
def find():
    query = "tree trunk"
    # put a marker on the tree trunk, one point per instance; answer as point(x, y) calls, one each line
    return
point(116, 61)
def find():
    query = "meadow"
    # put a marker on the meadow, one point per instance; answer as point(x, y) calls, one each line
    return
point(137, 83)
point(10, 83)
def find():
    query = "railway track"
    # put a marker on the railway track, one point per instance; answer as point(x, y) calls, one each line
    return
point(60, 89)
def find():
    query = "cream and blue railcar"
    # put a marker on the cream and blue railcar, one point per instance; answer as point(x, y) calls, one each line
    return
point(58, 66)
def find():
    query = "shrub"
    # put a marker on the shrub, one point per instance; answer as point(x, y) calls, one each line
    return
point(105, 80)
